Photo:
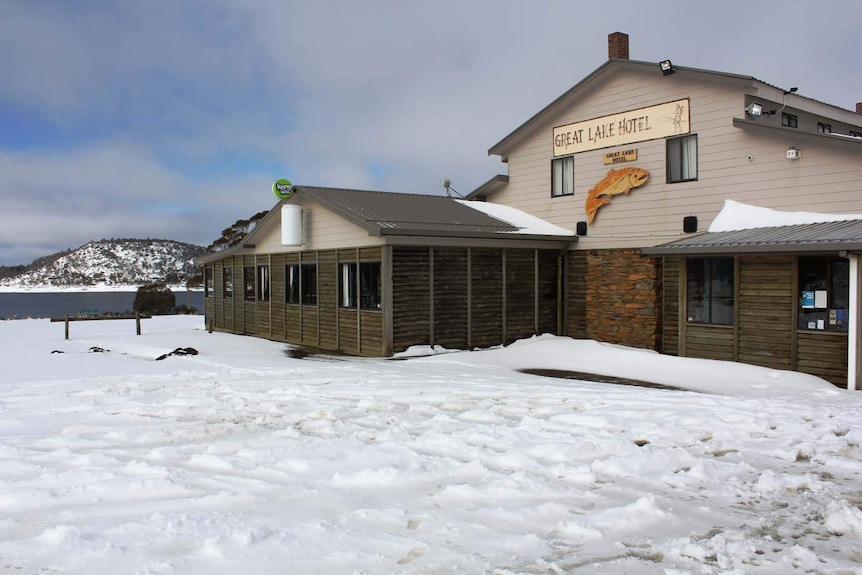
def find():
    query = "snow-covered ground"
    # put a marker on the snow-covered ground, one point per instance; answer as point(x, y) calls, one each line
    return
point(242, 459)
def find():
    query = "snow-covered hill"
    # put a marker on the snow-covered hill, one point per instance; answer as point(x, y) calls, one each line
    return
point(112, 264)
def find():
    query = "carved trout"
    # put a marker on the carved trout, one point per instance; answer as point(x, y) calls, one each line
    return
point(615, 183)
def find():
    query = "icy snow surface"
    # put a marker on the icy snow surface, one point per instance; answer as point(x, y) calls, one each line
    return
point(242, 459)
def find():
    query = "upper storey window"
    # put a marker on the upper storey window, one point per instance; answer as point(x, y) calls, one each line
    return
point(563, 176)
point(682, 159)
point(789, 120)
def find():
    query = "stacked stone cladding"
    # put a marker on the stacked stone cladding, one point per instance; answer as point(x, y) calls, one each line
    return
point(622, 298)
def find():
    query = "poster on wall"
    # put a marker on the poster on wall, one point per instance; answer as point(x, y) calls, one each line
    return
point(808, 300)
point(820, 299)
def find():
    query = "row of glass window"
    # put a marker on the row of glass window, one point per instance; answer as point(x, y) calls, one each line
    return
point(358, 286)
point(681, 166)
point(823, 288)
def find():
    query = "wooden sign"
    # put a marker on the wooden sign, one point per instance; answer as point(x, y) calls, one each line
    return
point(661, 121)
point(620, 157)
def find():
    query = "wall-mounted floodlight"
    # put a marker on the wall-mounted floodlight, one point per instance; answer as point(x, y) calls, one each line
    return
point(754, 110)
point(666, 67)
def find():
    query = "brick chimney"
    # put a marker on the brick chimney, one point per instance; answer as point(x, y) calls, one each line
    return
point(859, 107)
point(618, 45)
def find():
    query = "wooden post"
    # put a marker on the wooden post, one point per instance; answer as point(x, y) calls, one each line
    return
point(138, 322)
point(67, 326)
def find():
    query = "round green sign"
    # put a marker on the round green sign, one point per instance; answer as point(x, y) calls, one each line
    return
point(283, 189)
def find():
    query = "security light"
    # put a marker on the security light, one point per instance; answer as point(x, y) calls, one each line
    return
point(666, 67)
point(754, 110)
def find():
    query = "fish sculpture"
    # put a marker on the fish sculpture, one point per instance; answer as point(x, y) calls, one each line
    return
point(616, 182)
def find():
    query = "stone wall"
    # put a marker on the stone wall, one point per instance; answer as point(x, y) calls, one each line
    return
point(618, 299)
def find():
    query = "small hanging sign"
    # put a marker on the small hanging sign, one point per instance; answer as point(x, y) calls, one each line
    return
point(621, 156)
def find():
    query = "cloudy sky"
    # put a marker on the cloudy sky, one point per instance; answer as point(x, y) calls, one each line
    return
point(171, 119)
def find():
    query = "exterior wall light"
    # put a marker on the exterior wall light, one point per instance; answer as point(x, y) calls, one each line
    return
point(666, 67)
point(754, 110)
point(793, 153)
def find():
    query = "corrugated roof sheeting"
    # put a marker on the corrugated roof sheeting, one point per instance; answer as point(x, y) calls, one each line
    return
point(826, 236)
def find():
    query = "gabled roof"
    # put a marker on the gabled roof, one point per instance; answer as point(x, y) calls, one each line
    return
point(802, 238)
point(500, 147)
point(399, 214)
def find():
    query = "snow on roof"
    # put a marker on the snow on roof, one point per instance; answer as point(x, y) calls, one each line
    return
point(525, 223)
point(738, 216)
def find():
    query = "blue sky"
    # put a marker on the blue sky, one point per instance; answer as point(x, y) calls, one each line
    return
point(172, 118)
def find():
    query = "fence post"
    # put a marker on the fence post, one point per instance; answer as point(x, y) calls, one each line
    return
point(67, 326)
point(138, 322)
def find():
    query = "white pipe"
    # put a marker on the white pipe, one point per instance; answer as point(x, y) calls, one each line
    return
point(853, 328)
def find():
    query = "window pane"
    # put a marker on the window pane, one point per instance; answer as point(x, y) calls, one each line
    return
point(369, 285)
point(557, 177)
point(689, 158)
point(227, 282)
point(709, 284)
point(674, 160)
point(291, 274)
point(263, 283)
point(563, 176)
point(309, 284)
point(347, 285)
point(248, 283)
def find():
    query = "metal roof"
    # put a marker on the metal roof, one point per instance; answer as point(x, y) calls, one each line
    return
point(819, 237)
point(388, 213)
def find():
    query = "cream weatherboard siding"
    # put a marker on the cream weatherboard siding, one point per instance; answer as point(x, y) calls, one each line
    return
point(826, 179)
point(326, 231)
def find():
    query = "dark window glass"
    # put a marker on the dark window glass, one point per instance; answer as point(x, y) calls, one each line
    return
point(563, 176)
point(366, 292)
point(824, 293)
point(308, 284)
point(824, 128)
point(262, 283)
point(291, 275)
point(208, 282)
point(682, 159)
point(710, 291)
point(227, 282)
point(789, 120)
point(248, 283)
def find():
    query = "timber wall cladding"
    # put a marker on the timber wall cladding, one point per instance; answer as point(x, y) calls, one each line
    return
point(823, 355)
point(277, 296)
point(248, 307)
point(623, 298)
point(670, 305)
point(411, 291)
point(239, 302)
point(765, 311)
point(450, 298)
point(548, 284)
point(576, 295)
point(327, 300)
point(486, 295)
point(263, 311)
point(520, 294)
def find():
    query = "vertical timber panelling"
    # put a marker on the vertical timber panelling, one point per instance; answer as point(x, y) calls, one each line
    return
point(486, 284)
point(548, 282)
point(249, 306)
point(277, 295)
point(292, 313)
point(520, 294)
point(411, 310)
point(371, 322)
point(238, 301)
point(766, 311)
point(263, 318)
point(450, 297)
point(227, 303)
point(576, 294)
point(209, 302)
point(218, 297)
point(670, 307)
point(327, 298)
point(348, 318)
point(309, 313)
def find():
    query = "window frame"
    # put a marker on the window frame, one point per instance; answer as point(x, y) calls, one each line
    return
point(308, 284)
point(789, 120)
point(562, 162)
point(360, 287)
point(209, 282)
point(262, 283)
point(684, 163)
point(292, 284)
point(836, 284)
point(824, 128)
point(248, 283)
point(710, 313)
point(227, 282)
